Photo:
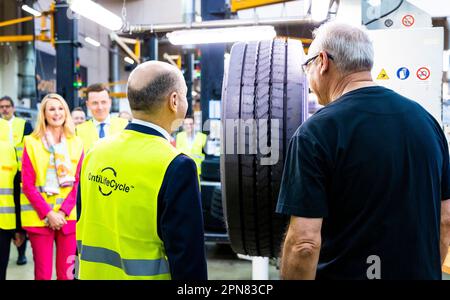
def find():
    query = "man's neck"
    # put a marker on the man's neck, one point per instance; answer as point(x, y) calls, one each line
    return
point(56, 133)
point(350, 83)
point(101, 121)
point(154, 120)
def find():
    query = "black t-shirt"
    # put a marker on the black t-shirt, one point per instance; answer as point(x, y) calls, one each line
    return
point(375, 166)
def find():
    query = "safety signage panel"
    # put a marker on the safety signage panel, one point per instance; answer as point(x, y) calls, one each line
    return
point(408, 21)
point(383, 75)
point(403, 73)
point(423, 73)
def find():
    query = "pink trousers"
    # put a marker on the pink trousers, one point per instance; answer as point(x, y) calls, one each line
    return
point(42, 245)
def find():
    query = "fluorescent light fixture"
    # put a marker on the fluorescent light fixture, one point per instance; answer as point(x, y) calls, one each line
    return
point(97, 13)
point(221, 35)
point(446, 61)
point(31, 10)
point(129, 60)
point(374, 3)
point(92, 41)
point(319, 9)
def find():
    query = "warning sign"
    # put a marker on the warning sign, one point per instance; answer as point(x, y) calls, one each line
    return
point(423, 73)
point(403, 73)
point(408, 20)
point(383, 75)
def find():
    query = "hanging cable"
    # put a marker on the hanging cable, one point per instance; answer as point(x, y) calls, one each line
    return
point(386, 14)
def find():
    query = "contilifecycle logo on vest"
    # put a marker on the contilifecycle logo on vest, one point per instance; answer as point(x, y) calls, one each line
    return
point(108, 182)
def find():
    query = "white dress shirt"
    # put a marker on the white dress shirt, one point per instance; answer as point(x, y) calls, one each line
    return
point(106, 127)
point(153, 126)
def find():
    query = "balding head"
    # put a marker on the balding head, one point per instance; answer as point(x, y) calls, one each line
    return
point(152, 83)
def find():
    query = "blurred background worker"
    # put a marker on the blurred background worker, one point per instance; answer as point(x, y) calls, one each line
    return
point(18, 129)
point(192, 143)
point(151, 225)
point(51, 164)
point(102, 124)
point(9, 211)
point(78, 116)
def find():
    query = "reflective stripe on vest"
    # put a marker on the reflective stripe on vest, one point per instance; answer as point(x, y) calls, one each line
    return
point(6, 191)
point(29, 207)
point(7, 210)
point(131, 267)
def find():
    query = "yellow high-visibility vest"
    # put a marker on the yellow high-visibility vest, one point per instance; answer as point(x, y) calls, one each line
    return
point(89, 134)
point(18, 127)
point(8, 169)
point(4, 130)
point(39, 158)
point(193, 150)
point(117, 235)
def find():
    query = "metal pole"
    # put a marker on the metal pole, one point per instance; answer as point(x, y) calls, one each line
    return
point(189, 18)
point(189, 76)
point(114, 72)
point(27, 64)
point(220, 24)
point(66, 54)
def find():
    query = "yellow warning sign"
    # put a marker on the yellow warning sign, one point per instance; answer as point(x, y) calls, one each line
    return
point(383, 75)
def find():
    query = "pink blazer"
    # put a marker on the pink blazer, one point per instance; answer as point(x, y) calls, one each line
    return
point(38, 202)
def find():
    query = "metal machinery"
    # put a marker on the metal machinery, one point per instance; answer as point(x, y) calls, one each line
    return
point(61, 32)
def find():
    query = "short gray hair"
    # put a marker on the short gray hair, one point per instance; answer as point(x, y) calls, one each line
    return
point(152, 94)
point(350, 46)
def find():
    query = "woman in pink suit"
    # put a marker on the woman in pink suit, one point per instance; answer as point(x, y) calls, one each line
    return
point(51, 164)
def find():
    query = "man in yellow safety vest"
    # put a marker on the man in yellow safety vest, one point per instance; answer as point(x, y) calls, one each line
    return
point(192, 143)
point(102, 124)
point(141, 214)
point(17, 129)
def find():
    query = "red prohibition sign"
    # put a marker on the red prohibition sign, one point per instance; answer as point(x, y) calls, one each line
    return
point(408, 20)
point(423, 73)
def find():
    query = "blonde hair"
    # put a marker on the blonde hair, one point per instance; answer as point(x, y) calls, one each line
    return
point(41, 126)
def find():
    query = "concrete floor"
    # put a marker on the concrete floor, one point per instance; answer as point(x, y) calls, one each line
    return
point(223, 264)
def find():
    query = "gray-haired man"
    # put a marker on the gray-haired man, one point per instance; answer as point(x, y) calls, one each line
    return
point(366, 178)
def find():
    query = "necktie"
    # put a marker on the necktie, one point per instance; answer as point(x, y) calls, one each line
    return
point(101, 133)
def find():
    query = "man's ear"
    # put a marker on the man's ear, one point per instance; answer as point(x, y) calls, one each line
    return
point(325, 63)
point(173, 102)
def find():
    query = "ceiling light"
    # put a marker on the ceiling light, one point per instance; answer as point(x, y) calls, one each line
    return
point(31, 10)
point(92, 41)
point(319, 9)
point(221, 35)
point(129, 60)
point(97, 13)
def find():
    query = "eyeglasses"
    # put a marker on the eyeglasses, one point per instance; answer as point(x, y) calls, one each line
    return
point(311, 59)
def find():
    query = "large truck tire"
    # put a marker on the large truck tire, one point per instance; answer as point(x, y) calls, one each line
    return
point(263, 81)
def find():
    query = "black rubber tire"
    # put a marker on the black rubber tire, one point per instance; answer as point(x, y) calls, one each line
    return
point(264, 80)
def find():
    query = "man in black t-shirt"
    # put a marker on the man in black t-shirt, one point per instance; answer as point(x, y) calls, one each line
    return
point(366, 178)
